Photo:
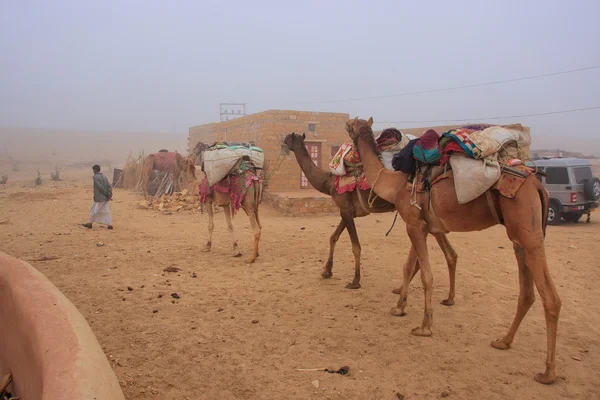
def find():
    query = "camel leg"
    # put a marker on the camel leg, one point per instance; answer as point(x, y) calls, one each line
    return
point(419, 242)
point(536, 258)
point(328, 270)
point(227, 211)
point(253, 215)
point(526, 299)
point(451, 258)
point(415, 269)
point(411, 266)
point(176, 185)
point(529, 246)
point(211, 225)
point(356, 250)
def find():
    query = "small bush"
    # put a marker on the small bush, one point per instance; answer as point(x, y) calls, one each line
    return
point(38, 179)
point(55, 176)
point(3, 179)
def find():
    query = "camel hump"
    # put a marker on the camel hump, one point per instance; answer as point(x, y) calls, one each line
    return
point(165, 161)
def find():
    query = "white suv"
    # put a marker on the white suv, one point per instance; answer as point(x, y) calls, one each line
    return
point(573, 189)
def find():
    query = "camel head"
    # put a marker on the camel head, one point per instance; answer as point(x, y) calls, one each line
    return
point(200, 147)
point(357, 126)
point(294, 141)
point(189, 167)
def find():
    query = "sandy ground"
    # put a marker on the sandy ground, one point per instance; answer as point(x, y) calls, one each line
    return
point(239, 331)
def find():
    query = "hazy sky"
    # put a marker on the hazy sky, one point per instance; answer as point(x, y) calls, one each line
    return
point(161, 65)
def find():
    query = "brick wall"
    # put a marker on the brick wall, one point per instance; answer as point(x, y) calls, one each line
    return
point(294, 205)
point(268, 129)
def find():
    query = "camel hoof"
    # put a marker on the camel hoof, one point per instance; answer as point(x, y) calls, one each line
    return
point(250, 260)
point(397, 291)
point(327, 274)
point(500, 345)
point(421, 332)
point(237, 253)
point(447, 302)
point(353, 286)
point(398, 312)
point(206, 249)
point(545, 378)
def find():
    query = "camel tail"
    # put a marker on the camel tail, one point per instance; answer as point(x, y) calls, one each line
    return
point(258, 188)
point(543, 193)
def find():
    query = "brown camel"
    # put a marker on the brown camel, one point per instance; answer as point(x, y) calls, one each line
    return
point(353, 205)
point(173, 162)
point(164, 161)
point(188, 164)
point(249, 204)
point(524, 217)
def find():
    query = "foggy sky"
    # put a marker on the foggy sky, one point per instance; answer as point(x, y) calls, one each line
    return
point(160, 66)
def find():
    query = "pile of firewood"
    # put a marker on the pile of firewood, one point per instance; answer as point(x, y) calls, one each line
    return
point(177, 202)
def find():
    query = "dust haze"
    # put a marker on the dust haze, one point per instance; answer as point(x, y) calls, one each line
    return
point(98, 81)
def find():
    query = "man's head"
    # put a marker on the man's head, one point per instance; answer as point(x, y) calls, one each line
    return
point(96, 169)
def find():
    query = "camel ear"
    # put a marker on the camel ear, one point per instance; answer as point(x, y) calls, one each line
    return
point(370, 121)
point(355, 120)
point(304, 136)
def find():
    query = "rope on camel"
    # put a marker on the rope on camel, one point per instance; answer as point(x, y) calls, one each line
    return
point(372, 201)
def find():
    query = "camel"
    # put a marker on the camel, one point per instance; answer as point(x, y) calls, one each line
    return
point(164, 161)
point(188, 164)
point(249, 204)
point(168, 161)
point(524, 218)
point(354, 205)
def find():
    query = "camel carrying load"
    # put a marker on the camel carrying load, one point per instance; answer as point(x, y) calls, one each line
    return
point(231, 182)
point(523, 211)
point(347, 166)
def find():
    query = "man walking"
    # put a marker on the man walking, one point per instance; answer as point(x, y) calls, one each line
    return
point(100, 211)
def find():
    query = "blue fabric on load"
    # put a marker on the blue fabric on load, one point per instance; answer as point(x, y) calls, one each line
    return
point(404, 160)
point(431, 156)
point(427, 149)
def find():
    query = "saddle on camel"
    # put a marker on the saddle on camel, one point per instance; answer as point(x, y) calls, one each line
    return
point(231, 181)
point(516, 200)
point(349, 191)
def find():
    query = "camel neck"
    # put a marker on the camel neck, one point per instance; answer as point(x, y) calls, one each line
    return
point(319, 179)
point(385, 183)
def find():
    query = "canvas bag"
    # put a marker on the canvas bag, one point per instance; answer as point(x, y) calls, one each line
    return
point(218, 163)
point(472, 178)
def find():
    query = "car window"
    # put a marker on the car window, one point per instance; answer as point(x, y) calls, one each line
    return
point(582, 174)
point(557, 176)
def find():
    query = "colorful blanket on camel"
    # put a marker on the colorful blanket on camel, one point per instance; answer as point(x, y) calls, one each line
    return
point(347, 165)
point(348, 183)
point(236, 185)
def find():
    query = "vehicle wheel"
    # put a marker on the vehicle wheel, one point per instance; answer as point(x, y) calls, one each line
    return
point(591, 189)
point(572, 216)
point(553, 214)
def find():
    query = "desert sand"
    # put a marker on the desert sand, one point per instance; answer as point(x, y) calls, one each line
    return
point(240, 331)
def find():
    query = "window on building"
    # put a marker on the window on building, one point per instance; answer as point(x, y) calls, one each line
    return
point(334, 150)
point(312, 127)
point(557, 176)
